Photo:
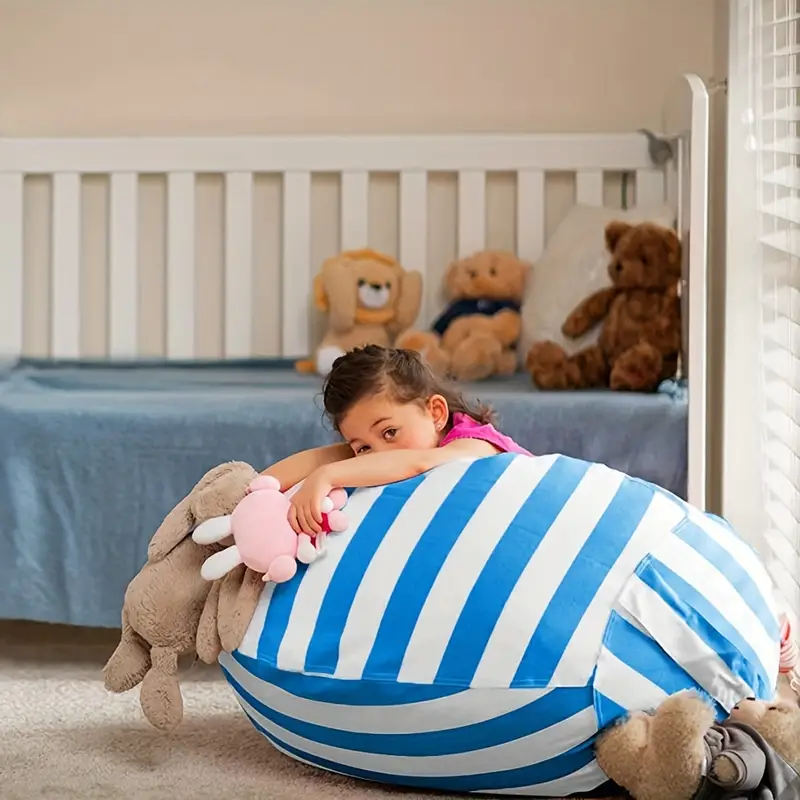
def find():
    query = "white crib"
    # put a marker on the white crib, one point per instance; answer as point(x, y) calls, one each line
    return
point(77, 255)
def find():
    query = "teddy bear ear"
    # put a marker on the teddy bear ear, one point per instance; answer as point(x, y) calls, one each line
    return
point(451, 275)
point(614, 232)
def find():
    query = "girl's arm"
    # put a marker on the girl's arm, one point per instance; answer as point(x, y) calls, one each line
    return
point(299, 466)
point(376, 469)
point(372, 469)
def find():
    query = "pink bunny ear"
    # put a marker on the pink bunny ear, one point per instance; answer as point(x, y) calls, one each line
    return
point(264, 483)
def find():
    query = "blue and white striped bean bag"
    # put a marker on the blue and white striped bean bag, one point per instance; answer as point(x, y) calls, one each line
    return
point(476, 626)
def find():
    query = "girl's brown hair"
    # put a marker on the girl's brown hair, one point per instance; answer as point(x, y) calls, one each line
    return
point(403, 374)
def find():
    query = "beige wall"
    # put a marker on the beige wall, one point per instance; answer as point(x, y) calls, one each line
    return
point(110, 67)
point(234, 66)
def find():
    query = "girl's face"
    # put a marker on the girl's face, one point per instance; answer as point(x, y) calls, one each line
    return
point(379, 423)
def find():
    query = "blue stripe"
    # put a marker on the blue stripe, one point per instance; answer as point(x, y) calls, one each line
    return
point(426, 560)
point(645, 656)
point(322, 655)
point(535, 716)
point(698, 614)
point(579, 586)
point(735, 572)
point(278, 611)
point(559, 767)
point(608, 712)
point(503, 569)
point(343, 692)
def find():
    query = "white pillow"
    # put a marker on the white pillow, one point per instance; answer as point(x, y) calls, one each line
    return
point(573, 266)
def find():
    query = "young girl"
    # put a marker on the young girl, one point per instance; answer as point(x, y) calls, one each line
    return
point(397, 421)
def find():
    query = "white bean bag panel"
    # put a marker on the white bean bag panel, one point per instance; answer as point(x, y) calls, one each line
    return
point(476, 626)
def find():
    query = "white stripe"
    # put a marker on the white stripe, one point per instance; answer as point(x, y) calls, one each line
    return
point(581, 653)
point(741, 552)
point(463, 566)
point(524, 752)
point(466, 708)
point(252, 636)
point(380, 579)
point(625, 686)
point(543, 574)
point(582, 780)
point(311, 592)
point(688, 564)
point(680, 642)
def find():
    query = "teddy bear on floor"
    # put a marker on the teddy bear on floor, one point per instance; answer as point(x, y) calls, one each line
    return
point(679, 752)
point(640, 312)
point(476, 336)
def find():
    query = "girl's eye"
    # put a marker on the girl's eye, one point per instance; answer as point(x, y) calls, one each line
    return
point(361, 450)
point(390, 433)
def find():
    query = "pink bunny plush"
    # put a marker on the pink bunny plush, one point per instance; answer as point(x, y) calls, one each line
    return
point(263, 538)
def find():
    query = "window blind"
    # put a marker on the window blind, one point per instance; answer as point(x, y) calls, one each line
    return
point(771, 48)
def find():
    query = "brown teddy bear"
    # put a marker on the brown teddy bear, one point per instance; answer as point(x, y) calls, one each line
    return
point(679, 752)
point(640, 339)
point(476, 335)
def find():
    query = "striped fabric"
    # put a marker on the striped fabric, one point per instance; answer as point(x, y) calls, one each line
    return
point(475, 626)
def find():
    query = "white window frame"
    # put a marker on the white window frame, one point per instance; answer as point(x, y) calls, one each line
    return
point(743, 491)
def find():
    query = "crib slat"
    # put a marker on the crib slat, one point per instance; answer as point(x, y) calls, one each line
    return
point(11, 264)
point(238, 264)
point(649, 188)
point(589, 187)
point(65, 329)
point(355, 210)
point(180, 265)
point(471, 211)
point(414, 228)
point(530, 213)
point(296, 266)
point(123, 266)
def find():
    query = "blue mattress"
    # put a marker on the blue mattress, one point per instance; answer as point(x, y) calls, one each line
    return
point(92, 457)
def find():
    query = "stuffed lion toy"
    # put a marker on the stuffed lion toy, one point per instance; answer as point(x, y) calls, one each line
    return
point(369, 299)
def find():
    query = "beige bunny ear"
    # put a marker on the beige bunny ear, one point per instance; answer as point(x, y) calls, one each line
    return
point(173, 530)
point(222, 487)
point(240, 592)
point(207, 643)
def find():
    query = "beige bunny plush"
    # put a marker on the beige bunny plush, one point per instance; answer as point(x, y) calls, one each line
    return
point(170, 611)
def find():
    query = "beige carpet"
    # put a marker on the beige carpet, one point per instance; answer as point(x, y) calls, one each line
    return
point(63, 736)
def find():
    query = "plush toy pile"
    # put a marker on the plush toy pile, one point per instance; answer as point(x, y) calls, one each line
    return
point(680, 752)
point(370, 299)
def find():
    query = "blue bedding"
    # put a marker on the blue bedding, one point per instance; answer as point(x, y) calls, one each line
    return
point(92, 457)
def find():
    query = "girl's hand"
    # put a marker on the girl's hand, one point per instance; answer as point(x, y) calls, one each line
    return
point(305, 515)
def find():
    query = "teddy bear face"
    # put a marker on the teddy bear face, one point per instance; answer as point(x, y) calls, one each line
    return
point(778, 722)
point(645, 256)
point(490, 274)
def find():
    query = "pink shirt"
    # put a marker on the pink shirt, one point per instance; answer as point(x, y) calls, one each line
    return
point(464, 427)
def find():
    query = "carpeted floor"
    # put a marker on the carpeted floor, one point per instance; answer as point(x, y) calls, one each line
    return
point(63, 737)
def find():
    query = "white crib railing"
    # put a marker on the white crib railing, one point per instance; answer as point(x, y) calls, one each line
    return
point(296, 159)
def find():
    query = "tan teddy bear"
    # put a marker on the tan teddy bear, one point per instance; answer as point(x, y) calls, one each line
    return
point(369, 299)
point(640, 313)
point(476, 336)
point(679, 752)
